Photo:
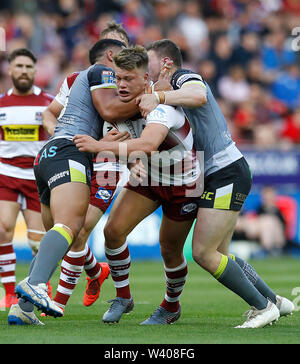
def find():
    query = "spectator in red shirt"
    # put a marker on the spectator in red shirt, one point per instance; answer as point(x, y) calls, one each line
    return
point(291, 128)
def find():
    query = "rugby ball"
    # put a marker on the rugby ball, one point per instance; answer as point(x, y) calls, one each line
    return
point(133, 127)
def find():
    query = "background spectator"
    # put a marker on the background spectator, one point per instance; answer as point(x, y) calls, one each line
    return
point(266, 225)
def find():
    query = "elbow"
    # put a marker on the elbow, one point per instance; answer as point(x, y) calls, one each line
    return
point(108, 116)
point(199, 100)
point(148, 148)
point(111, 117)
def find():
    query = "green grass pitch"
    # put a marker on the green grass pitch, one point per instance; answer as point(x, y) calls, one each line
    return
point(209, 311)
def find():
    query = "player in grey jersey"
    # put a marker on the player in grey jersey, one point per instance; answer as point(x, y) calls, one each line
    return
point(226, 185)
point(65, 198)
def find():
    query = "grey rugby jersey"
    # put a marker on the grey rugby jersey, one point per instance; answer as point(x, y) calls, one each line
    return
point(210, 131)
point(79, 116)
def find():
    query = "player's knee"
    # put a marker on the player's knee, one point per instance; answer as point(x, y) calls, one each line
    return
point(35, 235)
point(73, 227)
point(69, 232)
point(6, 235)
point(201, 256)
point(112, 232)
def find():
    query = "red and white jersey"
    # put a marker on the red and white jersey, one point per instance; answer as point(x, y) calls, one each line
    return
point(22, 133)
point(65, 87)
point(176, 163)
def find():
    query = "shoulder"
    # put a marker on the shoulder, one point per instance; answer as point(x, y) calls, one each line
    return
point(2, 98)
point(184, 76)
point(101, 76)
point(43, 97)
point(162, 112)
point(69, 80)
point(47, 96)
point(100, 69)
point(167, 115)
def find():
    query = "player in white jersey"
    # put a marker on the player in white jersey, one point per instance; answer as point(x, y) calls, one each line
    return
point(22, 135)
point(167, 131)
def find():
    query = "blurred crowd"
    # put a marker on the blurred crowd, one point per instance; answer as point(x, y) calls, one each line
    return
point(247, 51)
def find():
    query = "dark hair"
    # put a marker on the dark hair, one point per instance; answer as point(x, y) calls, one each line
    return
point(98, 49)
point(167, 48)
point(131, 58)
point(21, 52)
point(112, 27)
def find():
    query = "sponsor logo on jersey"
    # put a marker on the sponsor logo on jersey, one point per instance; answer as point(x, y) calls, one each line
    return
point(21, 133)
point(38, 116)
point(108, 77)
point(158, 114)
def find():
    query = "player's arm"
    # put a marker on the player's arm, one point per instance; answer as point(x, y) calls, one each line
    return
point(190, 91)
point(53, 111)
point(190, 95)
point(109, 106)
point(149, 141)
point(50, 116)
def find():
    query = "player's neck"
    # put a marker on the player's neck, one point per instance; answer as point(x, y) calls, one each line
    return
point(20, 93)
point(105, 62)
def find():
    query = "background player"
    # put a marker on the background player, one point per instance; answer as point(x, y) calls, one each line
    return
point(22, 135)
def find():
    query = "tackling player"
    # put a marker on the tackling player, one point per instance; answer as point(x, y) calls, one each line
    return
point(226, 185)
point(22, 135)
point(110, 173)
point(63, 176)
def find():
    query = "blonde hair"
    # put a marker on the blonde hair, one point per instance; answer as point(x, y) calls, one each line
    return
point(131, 58)
point(113, 27)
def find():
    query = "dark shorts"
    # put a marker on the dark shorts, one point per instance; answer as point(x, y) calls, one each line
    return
point(59, 162)
point(228, 188)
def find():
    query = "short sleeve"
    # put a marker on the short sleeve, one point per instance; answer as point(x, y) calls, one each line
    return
point(100, 76)
point(186, 77)
point(63, 93)
point(165, 115)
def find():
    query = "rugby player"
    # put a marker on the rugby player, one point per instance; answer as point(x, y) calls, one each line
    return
point(63, 176)
point(22, 135)
point(102, 194)
point(172, 172)
point(226, 185)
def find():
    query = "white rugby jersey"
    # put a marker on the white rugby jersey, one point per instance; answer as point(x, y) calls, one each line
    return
point(22, 133)
point(176, 163)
